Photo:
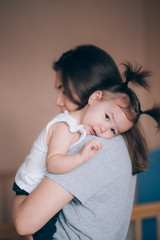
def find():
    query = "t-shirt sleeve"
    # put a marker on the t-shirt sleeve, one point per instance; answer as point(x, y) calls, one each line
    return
point(84, 181)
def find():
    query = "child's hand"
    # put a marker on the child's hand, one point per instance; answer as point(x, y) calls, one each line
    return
point(89, 149)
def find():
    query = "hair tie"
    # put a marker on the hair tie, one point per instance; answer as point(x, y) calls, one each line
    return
point(125, 84)
point(140, 112)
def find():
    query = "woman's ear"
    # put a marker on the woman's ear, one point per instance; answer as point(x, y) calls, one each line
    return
point(96, 96)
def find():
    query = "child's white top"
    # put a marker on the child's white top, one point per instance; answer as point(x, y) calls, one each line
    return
point(33, 170)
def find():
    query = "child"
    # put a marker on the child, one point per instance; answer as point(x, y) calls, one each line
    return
point(107, 114)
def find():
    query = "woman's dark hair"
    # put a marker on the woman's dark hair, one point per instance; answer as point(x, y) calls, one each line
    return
point(137, 148)
point(87, 69)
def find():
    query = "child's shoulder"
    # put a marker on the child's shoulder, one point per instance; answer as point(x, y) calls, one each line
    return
point(63, 117)
point(62, 120)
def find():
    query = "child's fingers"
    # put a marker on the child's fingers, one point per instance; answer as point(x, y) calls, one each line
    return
point(90, 148)
point(95, 144)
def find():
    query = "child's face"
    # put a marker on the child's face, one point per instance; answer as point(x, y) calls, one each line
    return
point(62, 100)
point(105, 119)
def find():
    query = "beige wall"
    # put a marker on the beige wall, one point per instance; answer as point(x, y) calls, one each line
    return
point(35, 32)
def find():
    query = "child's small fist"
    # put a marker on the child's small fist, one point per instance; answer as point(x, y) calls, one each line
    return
point(90, 148)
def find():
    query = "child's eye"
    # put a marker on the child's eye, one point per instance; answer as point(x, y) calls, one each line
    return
point(107, 117)
point(113, 131)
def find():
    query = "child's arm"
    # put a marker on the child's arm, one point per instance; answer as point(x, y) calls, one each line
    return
point(59, 140)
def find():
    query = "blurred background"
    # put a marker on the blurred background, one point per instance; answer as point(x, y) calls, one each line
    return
point(33, 34)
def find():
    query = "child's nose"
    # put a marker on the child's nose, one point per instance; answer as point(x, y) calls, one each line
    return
point(104, 129)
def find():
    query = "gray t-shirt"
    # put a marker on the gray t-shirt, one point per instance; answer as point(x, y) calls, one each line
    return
point(104, 192)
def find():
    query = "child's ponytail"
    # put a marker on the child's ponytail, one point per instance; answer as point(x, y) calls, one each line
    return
point(154, 113)
point(136, 75)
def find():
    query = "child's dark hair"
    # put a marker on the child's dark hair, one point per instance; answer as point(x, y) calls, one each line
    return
point(130, 102)
point(132, 108)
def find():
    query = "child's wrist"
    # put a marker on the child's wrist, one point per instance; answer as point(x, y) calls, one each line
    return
point(83, 158)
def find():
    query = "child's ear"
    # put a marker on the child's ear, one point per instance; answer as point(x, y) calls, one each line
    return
point(96, 96)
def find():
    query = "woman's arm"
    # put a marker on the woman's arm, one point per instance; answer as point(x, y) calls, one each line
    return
point(31, 213)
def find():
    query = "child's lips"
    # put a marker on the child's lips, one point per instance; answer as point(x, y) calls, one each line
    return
point(93, 132)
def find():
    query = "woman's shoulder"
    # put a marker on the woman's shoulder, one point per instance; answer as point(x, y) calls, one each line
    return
point(112, 142)
point(114, 148)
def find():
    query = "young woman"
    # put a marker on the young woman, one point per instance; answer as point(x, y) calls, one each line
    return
point(96, 198)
